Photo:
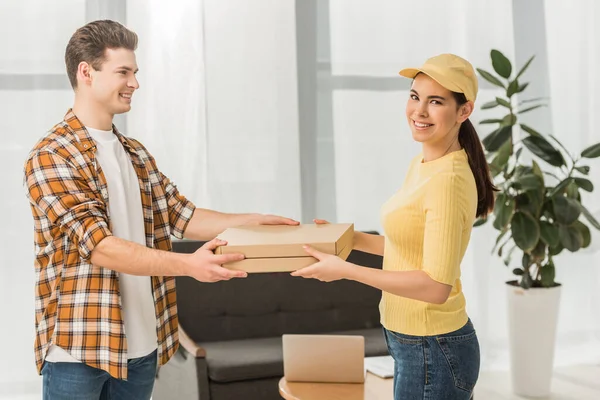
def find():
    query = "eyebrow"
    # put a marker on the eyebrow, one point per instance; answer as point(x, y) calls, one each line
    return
point(429, 97)
point(126, 68)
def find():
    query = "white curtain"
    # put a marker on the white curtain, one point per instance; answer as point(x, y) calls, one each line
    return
point(34, 95)
point(573, 65)
point(218, 100)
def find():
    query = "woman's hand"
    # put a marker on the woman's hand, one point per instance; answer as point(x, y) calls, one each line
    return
point(329, 267)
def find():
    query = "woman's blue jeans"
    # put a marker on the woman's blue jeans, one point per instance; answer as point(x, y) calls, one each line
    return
point(442, 367)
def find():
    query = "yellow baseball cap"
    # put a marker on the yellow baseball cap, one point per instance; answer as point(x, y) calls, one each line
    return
point(451, 71)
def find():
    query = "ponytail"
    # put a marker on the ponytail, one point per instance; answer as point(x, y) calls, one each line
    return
point(469, 140)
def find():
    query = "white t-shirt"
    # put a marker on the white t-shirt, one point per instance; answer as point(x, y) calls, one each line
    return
point(127, 220)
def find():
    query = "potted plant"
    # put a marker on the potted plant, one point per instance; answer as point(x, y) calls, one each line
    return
point(538, 214)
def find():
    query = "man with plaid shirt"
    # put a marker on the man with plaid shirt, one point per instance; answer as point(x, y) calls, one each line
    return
point(106, 310)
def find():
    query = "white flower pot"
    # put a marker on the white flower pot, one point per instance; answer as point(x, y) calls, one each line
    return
point(532, 318)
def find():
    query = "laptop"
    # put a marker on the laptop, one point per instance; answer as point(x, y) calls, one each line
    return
point(324, 358)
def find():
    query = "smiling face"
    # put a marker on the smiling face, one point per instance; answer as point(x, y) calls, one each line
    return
point(111, 86)
point(433, 114)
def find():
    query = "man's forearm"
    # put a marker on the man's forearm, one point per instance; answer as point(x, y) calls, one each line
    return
point(208, 224)
point(369, 243)
point(132, 258)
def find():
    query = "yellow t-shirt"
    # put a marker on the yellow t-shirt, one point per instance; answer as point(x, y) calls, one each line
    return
point(427, 226)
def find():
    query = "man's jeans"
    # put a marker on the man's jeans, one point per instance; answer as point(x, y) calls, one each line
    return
point(77, 381)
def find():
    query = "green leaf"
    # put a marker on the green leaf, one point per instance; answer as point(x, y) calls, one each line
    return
point(524, 67)
point(529, 130)
point(503, 102)
point(528, 182)
point(522, 87)
point(554, 251)
point(589, 217)
point(509, 120)
point(501, 64)
point(518, 271)
point(584, 169)
point(490, 78)
point(503, 211)
point(491, 121)
point(544, 150)
point(479, 222)
point(592, 151)
point(530, 108)
point(502, 156)
point(497, 138)
point(499, 238)
point(513, 88)
point(548, 274)
point(526, 261)
point(570, 237)
point(539, 251)
point(537, 171)
point(530, 202)
point(585, 184)
point(585, 233)
point(549, 233)
point(489, 104)
point(532, 100)
point(526, 281)
point(525, 231)
point(566, 210)
point(559, 189)
point(573, 191)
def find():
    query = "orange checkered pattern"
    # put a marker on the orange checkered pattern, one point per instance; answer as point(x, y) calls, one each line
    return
point(78, 305)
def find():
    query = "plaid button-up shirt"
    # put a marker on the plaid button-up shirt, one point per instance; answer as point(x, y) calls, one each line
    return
point(78, 304)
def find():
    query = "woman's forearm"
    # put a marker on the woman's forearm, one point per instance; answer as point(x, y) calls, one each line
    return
point(369, 243)
point(416, 285)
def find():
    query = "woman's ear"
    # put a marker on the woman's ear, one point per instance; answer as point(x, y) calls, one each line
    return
point(465, 111)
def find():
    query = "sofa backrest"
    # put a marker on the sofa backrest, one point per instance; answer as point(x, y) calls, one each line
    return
point(271, 304)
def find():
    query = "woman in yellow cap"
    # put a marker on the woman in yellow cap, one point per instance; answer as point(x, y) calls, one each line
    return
point(427, 226)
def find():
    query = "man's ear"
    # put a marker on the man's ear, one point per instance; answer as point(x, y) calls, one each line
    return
point(84, 73)
point(465, 111)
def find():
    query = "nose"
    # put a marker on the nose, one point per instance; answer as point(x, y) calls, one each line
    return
point(133, 82)
point(422, 109)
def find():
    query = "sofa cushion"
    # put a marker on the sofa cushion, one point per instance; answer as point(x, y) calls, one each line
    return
point(239, 360)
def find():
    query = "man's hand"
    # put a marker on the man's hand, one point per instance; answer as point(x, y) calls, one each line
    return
point(266, 219)
point(329, 268)
point(205, 266)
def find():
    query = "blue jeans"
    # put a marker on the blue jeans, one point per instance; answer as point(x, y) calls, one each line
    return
point(443, 367)
point(77, 381)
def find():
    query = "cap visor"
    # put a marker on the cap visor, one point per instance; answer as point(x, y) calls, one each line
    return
point(409, 72)
point(442, 80)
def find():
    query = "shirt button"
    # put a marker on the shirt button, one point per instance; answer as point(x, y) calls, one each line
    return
point(85, 145)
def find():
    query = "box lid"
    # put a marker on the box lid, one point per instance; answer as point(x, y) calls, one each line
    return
point(268, 241)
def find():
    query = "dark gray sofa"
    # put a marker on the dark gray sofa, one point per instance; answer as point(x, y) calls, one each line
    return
point(230, 332)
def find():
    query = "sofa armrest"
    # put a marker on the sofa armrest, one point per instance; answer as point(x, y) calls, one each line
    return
point(190, 346)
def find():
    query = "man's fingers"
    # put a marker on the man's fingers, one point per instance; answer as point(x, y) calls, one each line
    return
point(320, 221)
point(227, 258)
point(277, 220)
point(213, 244)
point(226, 274)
